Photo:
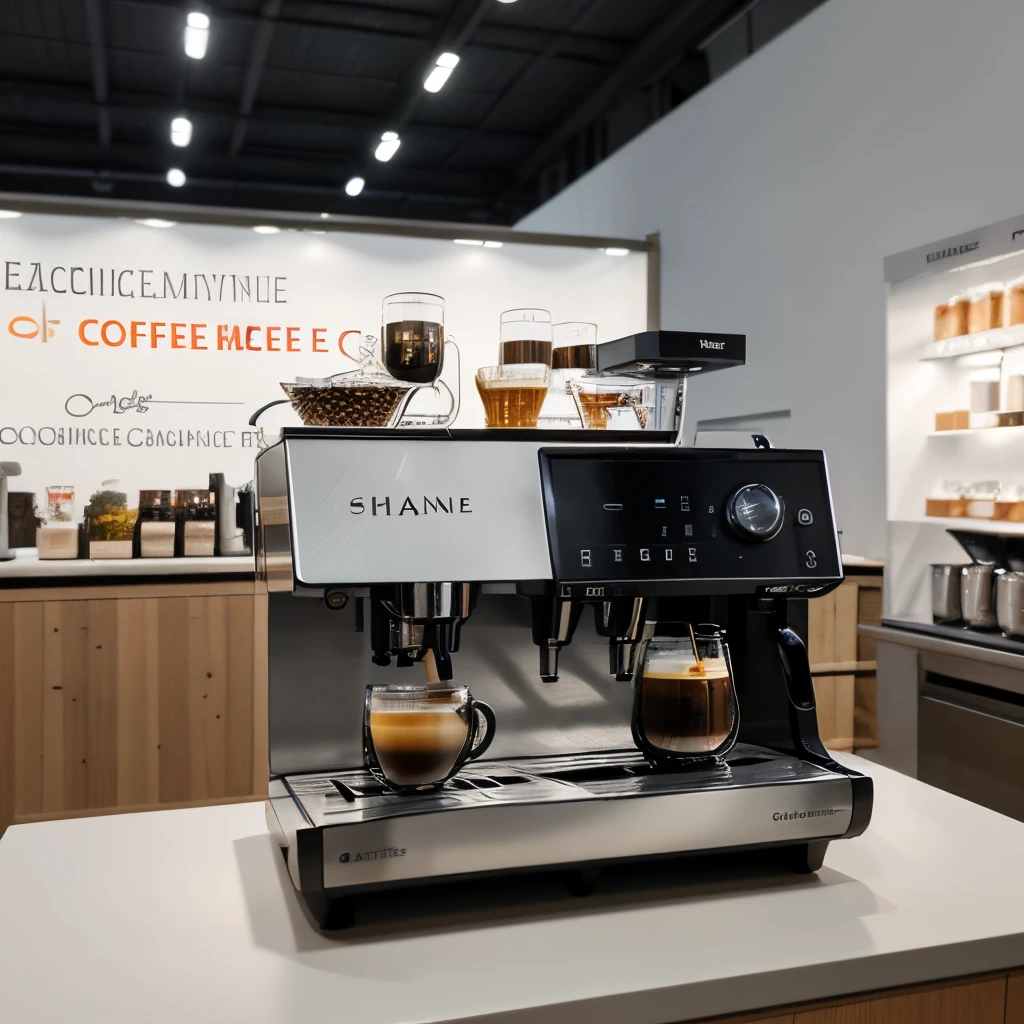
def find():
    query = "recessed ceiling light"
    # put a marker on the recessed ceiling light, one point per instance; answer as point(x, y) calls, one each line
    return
point(266, 229)
point(9, 214)
point(181, 131)
point(176, 177)
point(354, 186)
point(493, 245)
point(468, 241)
point(156, 222)
point(388, 147)
point(197, 34)
point(614, 251)
point(506, 1)
point(324, 216)
point(441, 72)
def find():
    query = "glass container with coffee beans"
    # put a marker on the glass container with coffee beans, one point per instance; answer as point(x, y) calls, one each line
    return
point(684, 709)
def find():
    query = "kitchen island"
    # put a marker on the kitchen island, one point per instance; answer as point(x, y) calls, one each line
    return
point(189, 915)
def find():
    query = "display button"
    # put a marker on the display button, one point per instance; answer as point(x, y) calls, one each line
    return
point(688, 530)
point(805, 517)
point(659, 504)
point(615, 506)
point(585, 558)
point(645, 554)
point(668, 554)
point(684, 503)
point(811, 560)
point(692, 552)
point(617, 554)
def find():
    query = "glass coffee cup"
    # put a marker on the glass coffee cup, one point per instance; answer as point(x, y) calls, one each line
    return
point(412, 336)
point(526, 336)
point(513, 394)
point(684, 707)
point(600, 400)
point(415, 738)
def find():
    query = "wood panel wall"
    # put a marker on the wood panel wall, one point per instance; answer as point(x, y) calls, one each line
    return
point(843, 663)
point(129, 696)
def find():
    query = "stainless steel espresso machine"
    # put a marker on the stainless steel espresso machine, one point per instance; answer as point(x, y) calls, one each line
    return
point(527, 564)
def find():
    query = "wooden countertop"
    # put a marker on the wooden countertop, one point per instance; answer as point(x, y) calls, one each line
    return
point(25, 566)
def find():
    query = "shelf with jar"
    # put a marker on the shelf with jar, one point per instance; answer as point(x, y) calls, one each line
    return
point(986, 318)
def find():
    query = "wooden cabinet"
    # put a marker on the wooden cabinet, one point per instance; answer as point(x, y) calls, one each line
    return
point(134, 696)
point(994, 999)
point(843, 663)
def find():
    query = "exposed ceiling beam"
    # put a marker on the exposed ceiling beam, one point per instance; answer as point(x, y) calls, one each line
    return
point(526, 40)
point(151, 102)
point(677, 33)
point(235, 185)
point(269, 13)
point(571, 13)
point(98, 60)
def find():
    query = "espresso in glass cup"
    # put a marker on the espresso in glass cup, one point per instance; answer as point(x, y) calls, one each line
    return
point(412, 336)
point(513, 395)
point(415, 738)
point(685, 708)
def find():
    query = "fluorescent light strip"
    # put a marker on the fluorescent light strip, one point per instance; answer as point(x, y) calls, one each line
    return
point(354, 186)
point(176, 177)
point(468, 241)
point(156, 222)
point(197, 34)
point(388, 147)
point(181, 131)
point(614, 251)
point(9, 214)
point(266, 229)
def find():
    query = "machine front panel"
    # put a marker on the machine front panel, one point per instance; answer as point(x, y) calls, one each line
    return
point(622, 516)
point(382, 511)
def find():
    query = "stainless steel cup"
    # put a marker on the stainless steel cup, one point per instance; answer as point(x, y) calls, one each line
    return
point(1010, 603)
point(946, 592)
point(978, 596)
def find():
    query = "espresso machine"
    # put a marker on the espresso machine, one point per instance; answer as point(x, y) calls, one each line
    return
point(528, 565)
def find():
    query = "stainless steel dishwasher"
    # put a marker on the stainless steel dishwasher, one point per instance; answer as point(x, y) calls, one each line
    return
point(971, 742)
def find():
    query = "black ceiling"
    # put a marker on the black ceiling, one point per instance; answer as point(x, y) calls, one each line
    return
point(294, 94)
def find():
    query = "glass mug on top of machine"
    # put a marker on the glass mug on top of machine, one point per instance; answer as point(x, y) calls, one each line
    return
point(415, 738)
point(412, 336)
point(513, 394)
point(526, 337)
point(684, 707)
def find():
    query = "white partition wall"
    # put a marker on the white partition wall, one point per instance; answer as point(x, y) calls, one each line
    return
point(138, 353)
point(867, 127)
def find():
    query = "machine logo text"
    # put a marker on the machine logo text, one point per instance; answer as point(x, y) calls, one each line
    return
point(354, 858)
point(408, 505)
point(821, 812)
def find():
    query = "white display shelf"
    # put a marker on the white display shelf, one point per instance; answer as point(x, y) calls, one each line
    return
point(969, 344)
point(998, 431)
point(997, 526)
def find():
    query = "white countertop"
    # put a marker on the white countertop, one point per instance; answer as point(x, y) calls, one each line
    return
point(189, 915)
point(26, 565)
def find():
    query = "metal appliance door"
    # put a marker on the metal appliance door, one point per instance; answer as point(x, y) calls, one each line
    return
point(971, 743)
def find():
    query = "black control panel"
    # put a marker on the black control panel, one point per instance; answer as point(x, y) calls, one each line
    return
point(690, 520)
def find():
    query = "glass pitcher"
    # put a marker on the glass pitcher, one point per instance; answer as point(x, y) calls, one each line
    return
point(685, 709)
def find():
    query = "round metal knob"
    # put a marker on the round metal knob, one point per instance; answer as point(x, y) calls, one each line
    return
point(756, 512)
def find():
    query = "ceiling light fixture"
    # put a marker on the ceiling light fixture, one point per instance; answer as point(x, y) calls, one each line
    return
point(493, 245)
point(441, 72)
point(324, 216)
point(9, 214)
point(266, 229)
point(468, 241)
point(354, 186)
point(613, 251)
point(506, 1)
point(389, 143)
point(197, 34)
point(181, 131)
point(176, 177)
point(156, 222)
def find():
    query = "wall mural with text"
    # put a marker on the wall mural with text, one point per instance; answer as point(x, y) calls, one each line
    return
point(136, 355)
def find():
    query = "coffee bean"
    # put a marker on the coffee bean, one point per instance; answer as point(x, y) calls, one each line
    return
point(345, 406)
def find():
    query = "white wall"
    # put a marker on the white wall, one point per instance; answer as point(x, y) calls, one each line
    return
point(870, 127)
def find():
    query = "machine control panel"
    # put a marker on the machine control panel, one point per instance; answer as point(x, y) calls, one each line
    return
point(755, 511)
point(748, 521)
